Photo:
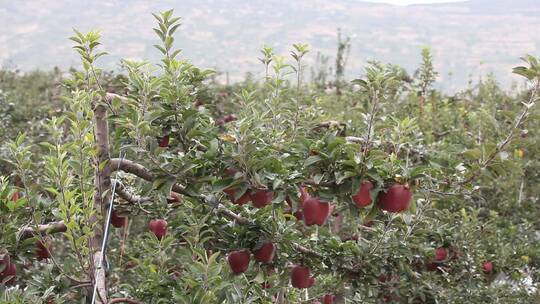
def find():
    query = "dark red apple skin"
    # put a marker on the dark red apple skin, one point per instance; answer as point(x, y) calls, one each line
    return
point(174, 197)
point(261, 198)
point(10, 271)
point(328, 299)
point(315, 211)
point(441, 254)
point(391, 299)
point(231, 172)
point(432, 266)
point(300, 277)
point(311, 282)
point(354, 237)
point(238, 261)
point(164, 141)
point(41, 251)
point(362, 198)
point(266, 253)
point(16, 196)
point(244, 199)
point(368, 223)
point(299, 215)
point(117, 220)
point(158, 227)
point(396, 199)
point(487, 266)
point(229, 118)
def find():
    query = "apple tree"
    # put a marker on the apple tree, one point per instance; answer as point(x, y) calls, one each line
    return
point(170, 189)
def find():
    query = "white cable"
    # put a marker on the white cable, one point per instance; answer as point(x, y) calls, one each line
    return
point(106, 233)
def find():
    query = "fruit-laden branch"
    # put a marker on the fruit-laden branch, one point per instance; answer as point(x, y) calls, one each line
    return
point(44, 229)
point(230, 214)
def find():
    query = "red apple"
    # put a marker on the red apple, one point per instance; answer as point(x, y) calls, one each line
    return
point(300, 277)
point(238, 261)
point(328, 299)
point(15, 196)
point(11, 272)
point(315, 211)
point(229, 117)
point(223, 94)
point(231, 193)
point(311, 282)
point(164, 141)
point(432, 266)
point(362, 198)
point(368, 223)
point(391, 298)
point(487, 266)
point(231, 172)
point(261, 198)
point(41, 251)
point(117, 220)
point(396, 199)
point(174, 197)
point(353, 237)
point(158, 227)
point(441, 254)
point(265, 254)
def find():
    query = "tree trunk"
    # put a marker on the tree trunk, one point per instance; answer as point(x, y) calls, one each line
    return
point(102, 196)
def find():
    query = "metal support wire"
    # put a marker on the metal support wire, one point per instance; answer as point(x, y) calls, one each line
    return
point(106, 233)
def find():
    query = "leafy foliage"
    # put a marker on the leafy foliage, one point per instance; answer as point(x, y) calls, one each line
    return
point(469, 162)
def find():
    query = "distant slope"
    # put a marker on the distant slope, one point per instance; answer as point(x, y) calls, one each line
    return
point(227, 34)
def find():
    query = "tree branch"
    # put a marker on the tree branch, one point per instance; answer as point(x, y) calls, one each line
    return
point(139, 170)
point(124, 300)
point(128, 196)
point(238, 218)
point(44, 229)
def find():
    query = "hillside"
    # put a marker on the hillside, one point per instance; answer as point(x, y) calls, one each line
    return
point(227, 34)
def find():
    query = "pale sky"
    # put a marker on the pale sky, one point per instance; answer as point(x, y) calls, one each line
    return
point(407, 2)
